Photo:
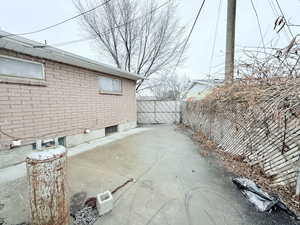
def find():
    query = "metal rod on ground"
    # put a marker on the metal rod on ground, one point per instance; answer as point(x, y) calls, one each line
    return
point(48, 190)
point(230, 39)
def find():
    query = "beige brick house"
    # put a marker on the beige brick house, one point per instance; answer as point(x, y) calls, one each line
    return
point(47, 94)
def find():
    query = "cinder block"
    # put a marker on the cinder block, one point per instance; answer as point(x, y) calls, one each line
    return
point(104, 202)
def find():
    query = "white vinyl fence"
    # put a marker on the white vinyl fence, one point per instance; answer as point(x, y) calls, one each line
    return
point(158, 112)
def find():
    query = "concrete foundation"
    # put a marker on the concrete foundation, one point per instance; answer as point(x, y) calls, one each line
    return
point(127, 126)
point(17, 155)
point(78, 139)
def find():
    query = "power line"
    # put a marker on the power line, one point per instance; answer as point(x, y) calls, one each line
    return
point(73, 41)
point(259, 26)
point(293, 25)
point(257, 47)
point(34, 46)
point(89, 38)
point(189, 35)
point(108, 30)
point(215, 36)
point(271, 4)
point(59, 23)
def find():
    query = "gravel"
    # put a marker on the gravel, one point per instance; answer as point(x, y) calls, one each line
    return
point(86, 216)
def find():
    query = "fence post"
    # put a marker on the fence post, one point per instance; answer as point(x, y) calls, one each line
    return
point(48, 190)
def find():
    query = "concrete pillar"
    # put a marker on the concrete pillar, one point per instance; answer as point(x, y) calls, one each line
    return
point(48, 190)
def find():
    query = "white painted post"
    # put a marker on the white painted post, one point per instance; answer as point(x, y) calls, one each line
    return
point(48, 190)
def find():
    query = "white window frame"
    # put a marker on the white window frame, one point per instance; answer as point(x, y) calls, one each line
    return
point(24, 75)
point(110, 92)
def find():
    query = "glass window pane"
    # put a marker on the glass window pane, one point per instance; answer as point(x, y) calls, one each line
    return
point(107, 84)
point(20, 68)
point(116, 85)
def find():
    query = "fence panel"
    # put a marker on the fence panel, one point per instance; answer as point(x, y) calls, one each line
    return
point(158, 112)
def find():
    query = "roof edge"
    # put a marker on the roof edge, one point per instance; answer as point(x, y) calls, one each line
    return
point(37, 49)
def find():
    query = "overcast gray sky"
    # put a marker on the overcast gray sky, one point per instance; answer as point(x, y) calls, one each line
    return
point(21, 16)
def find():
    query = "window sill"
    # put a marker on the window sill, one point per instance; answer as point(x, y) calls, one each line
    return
point(22, 80)
point(110, 93)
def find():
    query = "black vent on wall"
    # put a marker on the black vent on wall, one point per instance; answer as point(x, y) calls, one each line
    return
point(111, 129)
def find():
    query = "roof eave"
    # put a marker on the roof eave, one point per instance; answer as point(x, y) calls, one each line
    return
point(25, 46)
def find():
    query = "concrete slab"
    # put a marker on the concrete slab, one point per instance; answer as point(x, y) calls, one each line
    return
point(17, 168)
point(13, 157)
point(174, 184)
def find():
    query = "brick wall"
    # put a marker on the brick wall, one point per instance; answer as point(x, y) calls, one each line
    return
point(65, 104)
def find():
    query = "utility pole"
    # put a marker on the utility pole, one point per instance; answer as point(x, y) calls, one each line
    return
point(230, 38)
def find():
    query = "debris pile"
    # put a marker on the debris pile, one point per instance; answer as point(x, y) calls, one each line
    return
point(81, 211)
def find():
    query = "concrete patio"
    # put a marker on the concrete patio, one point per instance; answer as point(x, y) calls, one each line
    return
point(174, 184)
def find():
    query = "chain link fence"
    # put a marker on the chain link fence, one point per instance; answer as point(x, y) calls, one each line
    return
point(158, 112)
point(265, 134)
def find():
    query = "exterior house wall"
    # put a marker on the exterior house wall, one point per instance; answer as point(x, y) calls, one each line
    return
point(65, 104)
point(198, 91)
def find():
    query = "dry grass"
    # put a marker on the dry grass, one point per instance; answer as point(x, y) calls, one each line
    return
point(248, 93)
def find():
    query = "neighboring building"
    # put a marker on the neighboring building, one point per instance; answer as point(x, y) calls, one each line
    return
point(200, 88)
point(47, 93)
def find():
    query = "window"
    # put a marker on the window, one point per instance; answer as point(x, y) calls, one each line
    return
point(21, 68)
point(110, 85)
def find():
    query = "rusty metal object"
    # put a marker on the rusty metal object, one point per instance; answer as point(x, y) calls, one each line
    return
point(91, 202)
point(121, 186)
point(48, 190)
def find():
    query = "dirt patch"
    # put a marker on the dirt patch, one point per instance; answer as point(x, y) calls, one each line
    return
point(238, 166)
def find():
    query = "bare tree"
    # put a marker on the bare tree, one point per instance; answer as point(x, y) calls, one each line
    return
point(168, 87)
point(137, 35)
